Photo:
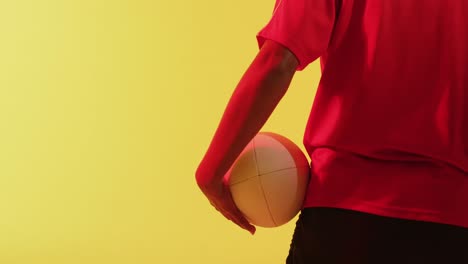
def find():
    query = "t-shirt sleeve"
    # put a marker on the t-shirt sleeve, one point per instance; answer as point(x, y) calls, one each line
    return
point(303, 26)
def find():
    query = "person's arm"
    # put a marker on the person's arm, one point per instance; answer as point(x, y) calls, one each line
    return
point(254, 99)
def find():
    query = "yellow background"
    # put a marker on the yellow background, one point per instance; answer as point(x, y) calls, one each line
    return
point(106, 108)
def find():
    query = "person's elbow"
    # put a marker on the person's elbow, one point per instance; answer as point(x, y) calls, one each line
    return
point(277, 59)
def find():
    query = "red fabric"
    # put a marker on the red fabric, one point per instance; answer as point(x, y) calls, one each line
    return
point(388, 131)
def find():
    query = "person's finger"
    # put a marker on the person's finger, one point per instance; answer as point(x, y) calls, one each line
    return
point(221, 210)
point(224, 213)
point(239, 215)
point(237, 218)
point(244, 225)
point(230, 211)
point(242, 222)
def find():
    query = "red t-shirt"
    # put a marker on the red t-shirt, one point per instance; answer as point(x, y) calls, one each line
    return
point(388, 131)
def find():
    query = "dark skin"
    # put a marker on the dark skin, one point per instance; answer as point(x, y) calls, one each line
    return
point(258, 93)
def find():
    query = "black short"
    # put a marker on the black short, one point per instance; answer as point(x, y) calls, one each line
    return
point(329, 236)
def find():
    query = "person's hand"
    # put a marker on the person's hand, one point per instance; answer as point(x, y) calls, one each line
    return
point(219, 195)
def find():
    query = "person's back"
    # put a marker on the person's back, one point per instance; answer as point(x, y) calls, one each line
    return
point(388, 132)
point(400, 71)
point(390, 110)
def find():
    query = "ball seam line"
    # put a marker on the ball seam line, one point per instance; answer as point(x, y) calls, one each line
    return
point(261, 186)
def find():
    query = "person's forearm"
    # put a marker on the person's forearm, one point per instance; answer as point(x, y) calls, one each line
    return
point(253, 101)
